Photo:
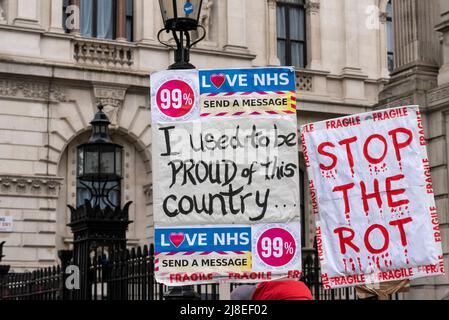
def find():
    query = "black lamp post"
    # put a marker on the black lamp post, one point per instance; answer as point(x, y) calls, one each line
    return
point(99, 225)
point(180, 17)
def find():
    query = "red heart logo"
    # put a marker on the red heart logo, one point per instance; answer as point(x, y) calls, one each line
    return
point(218, 80)
point(177, 239)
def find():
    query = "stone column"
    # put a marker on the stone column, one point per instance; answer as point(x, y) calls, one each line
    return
point(147, 19)
point(417, 51)
point(27, 13)
point(56, 16)
point(273, 59)
point(415, 39)
point(351, 22)
point(121, 20)
point(314, 34)
point(236, 25)
point(443, 27)
point(383, 39)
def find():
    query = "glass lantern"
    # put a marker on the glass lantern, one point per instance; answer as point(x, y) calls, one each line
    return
point(180, 15)
point(100, 159)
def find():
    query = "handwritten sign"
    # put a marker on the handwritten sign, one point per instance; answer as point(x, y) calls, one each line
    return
point(225, 172)
point(372, 195)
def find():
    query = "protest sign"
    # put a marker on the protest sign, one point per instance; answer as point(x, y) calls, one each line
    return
point(371, 190)
point(225, 172)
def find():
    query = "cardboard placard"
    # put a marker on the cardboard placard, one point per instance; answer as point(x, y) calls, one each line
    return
point(225, 172)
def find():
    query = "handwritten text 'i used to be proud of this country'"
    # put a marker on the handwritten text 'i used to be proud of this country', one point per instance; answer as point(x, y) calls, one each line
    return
point(225, 173)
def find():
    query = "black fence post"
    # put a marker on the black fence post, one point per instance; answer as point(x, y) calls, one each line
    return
point(150, 269)
point(3, 283)
point(3, 272)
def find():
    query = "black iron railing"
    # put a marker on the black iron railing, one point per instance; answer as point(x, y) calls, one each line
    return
point(123, 275)
point(44, 284)
point(129, 275)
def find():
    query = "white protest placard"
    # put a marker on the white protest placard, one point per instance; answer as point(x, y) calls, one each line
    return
point(225, 172)
point(372, 194)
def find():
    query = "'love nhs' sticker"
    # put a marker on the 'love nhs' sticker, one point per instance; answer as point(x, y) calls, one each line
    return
point(203, 239)
point(188, 8)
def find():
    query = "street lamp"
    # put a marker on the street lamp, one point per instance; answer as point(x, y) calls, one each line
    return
point(99, 225)
point(180, 17)
point(100, 163)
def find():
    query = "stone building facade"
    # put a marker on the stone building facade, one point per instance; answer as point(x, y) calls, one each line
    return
point(53, 76)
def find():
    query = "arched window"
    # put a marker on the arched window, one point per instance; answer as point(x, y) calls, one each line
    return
point(291, 33)
point(104, 19)
point(390, 36)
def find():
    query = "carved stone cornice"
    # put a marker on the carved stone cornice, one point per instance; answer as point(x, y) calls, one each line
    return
point(30, 186)
point(25, 89)
point(312, 6)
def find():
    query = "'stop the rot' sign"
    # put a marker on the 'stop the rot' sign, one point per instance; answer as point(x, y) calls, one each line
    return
point(372, 193)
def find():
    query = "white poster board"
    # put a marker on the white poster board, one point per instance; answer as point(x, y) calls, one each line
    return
point(225, 175)
point(372, 194)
